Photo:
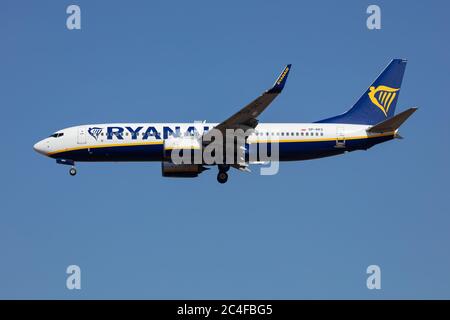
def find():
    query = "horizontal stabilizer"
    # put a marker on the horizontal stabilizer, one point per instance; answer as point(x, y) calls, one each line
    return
point(393, 123)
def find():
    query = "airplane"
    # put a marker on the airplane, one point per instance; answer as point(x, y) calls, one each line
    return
point(370, 121)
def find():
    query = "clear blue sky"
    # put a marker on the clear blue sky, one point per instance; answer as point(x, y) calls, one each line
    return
point(308, 232)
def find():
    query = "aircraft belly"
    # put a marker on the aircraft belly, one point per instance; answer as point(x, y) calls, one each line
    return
point(291, 151)
point(152, 152)
point(288, 151)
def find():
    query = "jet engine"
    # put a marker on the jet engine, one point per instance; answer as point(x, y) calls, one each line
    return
point(182, 157)
point(170, 169)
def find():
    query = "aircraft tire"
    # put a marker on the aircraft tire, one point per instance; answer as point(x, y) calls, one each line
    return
point(72, 171)
point(222, 177)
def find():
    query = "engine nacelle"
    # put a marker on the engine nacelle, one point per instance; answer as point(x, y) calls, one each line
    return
point(170, 169)
point(182, 157)
point(182, 149)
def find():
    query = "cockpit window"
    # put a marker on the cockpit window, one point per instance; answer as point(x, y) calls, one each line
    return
point(57, 135)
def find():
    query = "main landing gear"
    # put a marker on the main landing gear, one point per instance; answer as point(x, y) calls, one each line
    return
point(222, 176)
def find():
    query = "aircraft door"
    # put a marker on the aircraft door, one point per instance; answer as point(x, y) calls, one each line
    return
point(340, 137)
point(81, 135)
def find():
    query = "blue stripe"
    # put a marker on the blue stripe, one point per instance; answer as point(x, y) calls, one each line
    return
point(287, 151)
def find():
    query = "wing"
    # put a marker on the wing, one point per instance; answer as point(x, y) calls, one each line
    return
point(247, 116)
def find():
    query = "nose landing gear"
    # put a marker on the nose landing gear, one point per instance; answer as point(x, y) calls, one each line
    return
point(73, 171)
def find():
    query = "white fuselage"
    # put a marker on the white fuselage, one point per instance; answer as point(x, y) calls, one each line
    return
point(113, 135)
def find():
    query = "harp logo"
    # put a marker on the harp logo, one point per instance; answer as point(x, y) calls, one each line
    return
point(382, 97)
point(95, 132)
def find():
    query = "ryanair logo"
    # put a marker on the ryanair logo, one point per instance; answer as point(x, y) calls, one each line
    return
point(95, 132)
point(382, 97)
point(280, 79)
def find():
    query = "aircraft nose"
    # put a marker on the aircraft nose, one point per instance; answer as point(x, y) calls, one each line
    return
point(40, 147)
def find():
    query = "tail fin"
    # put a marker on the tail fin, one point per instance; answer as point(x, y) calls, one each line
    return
point(379, 101)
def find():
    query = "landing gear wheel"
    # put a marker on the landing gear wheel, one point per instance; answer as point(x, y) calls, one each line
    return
point(222, 177)
point(72, 171)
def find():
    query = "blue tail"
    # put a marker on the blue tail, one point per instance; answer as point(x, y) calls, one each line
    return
point(379, 101)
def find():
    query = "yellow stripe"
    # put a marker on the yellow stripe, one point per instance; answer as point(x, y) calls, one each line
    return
point(178, 148)
point(386, 98)
point(382, 96)
point(258, 141)
point(392, 99)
